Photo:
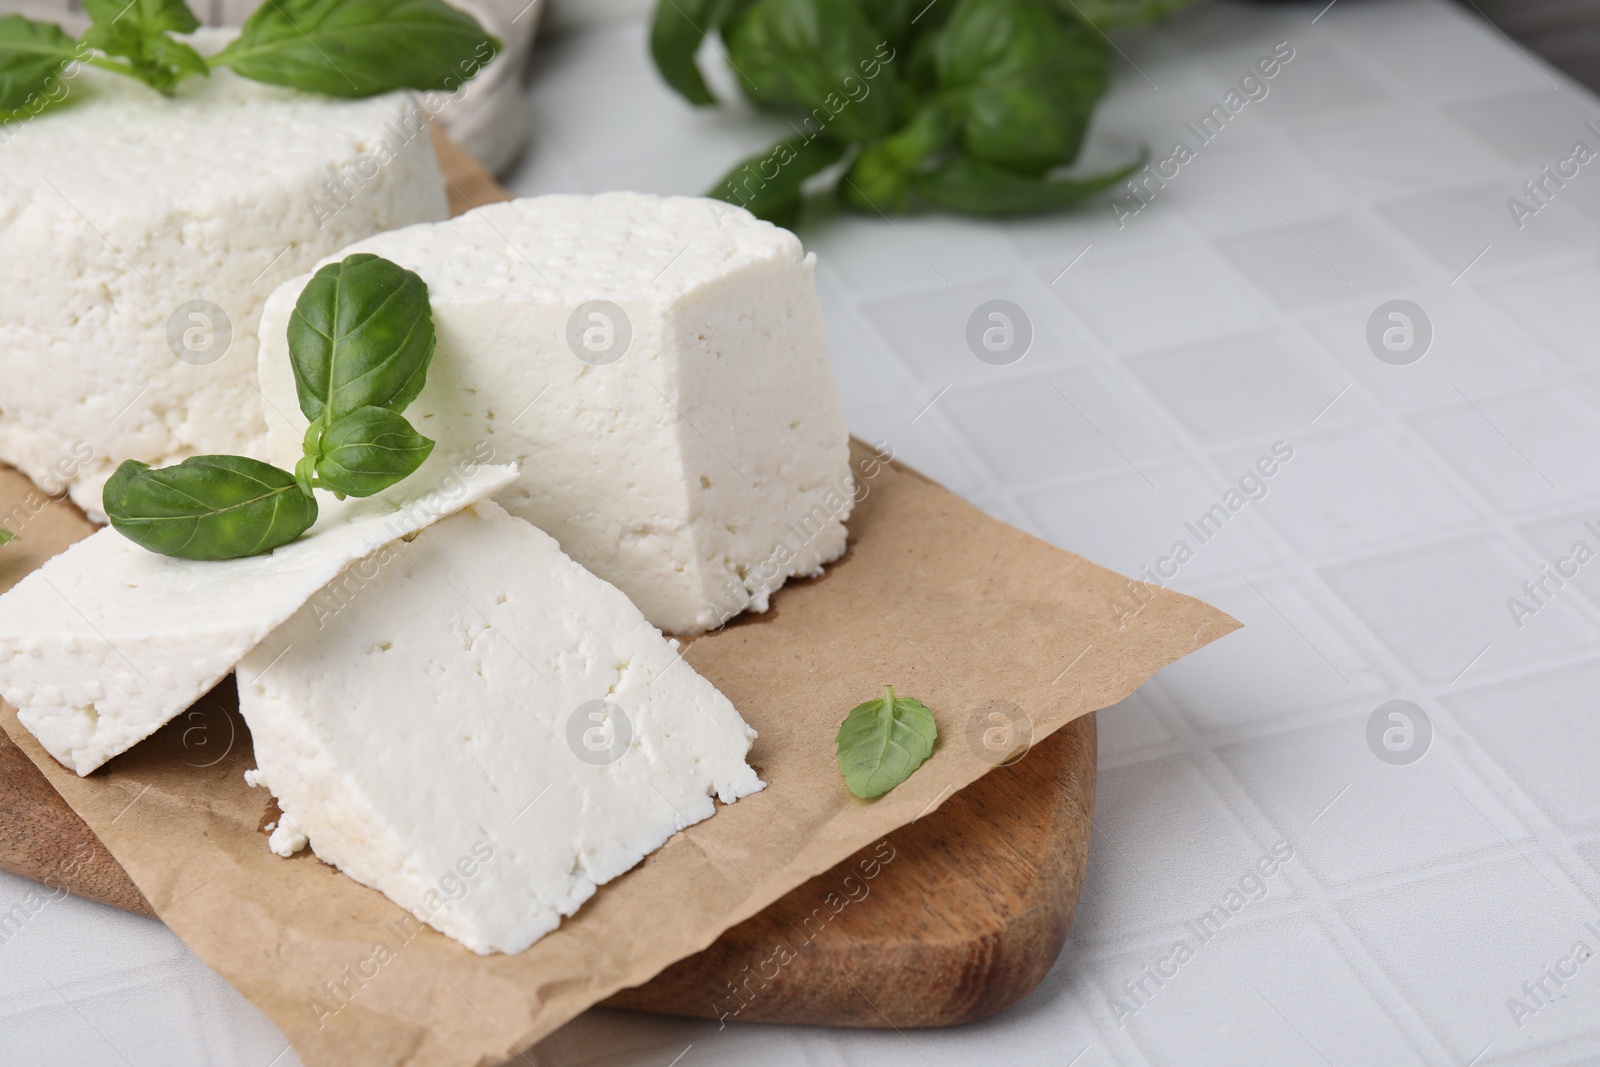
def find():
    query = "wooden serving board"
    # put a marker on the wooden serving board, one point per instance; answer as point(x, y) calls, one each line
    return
point(968, 910)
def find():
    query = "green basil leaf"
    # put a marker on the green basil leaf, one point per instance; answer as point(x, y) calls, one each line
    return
point(6, 536)
point(208, 507)
point(883, 741)
point(179, 58)
point(993, 40)
point(367, 451)
point(1028, 78)
point(305, 472)
point(138, 29)
point(879, 180)
point(897, 21)
point(32, 57)
point(974, 187)
point(768, 185)
point(125, 27)
point(361, 336)
point(1030, 125)
point(675, 36)
point(876, 183)
point(821, 57)
point(354, 48)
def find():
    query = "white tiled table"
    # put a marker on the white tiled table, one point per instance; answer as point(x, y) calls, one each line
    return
point(1229, 314)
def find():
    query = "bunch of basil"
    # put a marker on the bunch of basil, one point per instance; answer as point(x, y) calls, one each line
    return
point(968, 105)
point(360, 342)
point(344, 48)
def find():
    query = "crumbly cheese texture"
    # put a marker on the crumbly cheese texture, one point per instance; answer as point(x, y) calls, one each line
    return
point(105, 643)
point(445, 742)
point(120, 209)
point(699, 470)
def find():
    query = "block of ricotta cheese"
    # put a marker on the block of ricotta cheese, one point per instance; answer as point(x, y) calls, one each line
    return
point(657, 366)
point(488, 733)
point(105, 643)
point(140, 236)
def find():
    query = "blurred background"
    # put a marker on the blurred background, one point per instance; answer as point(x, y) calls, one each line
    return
point(493, 125)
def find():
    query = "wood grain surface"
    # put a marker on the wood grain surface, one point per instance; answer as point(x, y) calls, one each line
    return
point(948, 920)
point(965, 914)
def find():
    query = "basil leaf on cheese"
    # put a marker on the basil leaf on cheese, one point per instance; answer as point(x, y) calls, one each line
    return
point(367, 451)
point(32, 57)
point(361, 336)
point(138, 29)
point(883, 741)
point(355, 48)
point(208, 507)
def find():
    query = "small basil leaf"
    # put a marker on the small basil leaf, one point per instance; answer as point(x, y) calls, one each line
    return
point(361, 336)
point(180, 58)
point(768, 185)
point(6, 536)
point(355, 48)
point(32, 56)
point(208, 507)
point(138, 29)
point(305, 472)
point(814, 56)
point(883, 741)
point(367, 451)
point(974, 187)
point(675, 36)
point(124, 20)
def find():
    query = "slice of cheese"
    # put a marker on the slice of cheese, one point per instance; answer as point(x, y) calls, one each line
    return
point(105, 643)
point(657, 366)
point(140, 236)
point(488, 733)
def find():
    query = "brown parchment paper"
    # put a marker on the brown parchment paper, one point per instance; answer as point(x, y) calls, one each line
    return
point(960, 610)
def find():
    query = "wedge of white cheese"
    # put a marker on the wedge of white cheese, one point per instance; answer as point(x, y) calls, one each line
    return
point(658, 368)
point(105, 643)
point(140, 236)
point(488, 732)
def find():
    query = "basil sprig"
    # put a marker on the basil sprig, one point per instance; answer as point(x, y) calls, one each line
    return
point(883, 741)
point(342, 48)
point(142, 31)
point(974, 106)
point(360, 343)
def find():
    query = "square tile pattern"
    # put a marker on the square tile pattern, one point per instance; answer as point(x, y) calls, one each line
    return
point(1414, 520)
